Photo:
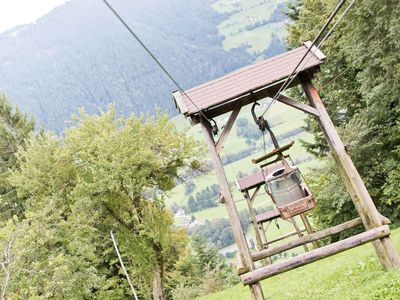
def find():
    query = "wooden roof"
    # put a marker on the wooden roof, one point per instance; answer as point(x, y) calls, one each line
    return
point(212, 97)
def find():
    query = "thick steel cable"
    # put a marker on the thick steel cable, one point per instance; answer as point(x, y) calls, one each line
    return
point(284, 85)
point(153, 56)
point(321, 43)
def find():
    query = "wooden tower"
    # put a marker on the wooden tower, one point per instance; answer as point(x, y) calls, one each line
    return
point(229, 94)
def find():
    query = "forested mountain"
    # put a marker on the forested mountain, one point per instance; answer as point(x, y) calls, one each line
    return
point(79, 55)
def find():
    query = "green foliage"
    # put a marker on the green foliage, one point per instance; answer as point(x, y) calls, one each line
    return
point(105, 174)
point(206, 198)
point(15, 129)
point(359, 84)
point(354, 274)
point(201, 271)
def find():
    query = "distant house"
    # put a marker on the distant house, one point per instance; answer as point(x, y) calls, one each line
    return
point(180, 212)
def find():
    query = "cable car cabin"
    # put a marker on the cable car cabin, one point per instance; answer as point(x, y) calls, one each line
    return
point(285, 185)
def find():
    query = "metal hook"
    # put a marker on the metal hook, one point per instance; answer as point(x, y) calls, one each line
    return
point(260, 121)
point(214, 127)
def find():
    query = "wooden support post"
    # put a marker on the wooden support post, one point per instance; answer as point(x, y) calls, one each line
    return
point(306, 239)
point(309, 229)
point(250, 200)
point(314, 255)
point(243, 248)
point(299, 232)
point(384, 247)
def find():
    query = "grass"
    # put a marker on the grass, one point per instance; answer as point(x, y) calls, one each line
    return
point(354, 274)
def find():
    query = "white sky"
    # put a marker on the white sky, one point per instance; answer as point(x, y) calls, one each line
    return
point(18, 12)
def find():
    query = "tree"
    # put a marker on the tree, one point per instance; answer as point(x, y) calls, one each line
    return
point(359, 85)
point(15, 128)
point(192, 204)
point(106, 174)
point(190, 186)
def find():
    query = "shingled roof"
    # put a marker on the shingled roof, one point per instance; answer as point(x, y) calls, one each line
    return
point(264, 75)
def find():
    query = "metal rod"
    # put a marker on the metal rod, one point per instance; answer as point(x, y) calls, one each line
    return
point(123, 266)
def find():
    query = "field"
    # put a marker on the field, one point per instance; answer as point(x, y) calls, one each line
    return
point(246, 13)
point(354, 274)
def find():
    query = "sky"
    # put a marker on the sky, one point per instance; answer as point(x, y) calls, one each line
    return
point(18, 12)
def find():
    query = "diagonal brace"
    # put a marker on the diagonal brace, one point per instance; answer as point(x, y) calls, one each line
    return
point(227, 129)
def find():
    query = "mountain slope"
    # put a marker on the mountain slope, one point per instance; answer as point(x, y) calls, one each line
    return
point(80, 55)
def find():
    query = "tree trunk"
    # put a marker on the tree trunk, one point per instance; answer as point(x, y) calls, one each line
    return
point(158, 291)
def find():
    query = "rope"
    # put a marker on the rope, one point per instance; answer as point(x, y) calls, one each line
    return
point(153, 56)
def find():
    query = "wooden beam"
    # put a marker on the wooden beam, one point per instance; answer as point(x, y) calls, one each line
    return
point(314, 255)
point(274, 152)
point(306, 239)
point(309, 228)
point(285, 236)
point(249, 201)
point(227, 129)
point(179, 103)
point(301, 106)
point(385, 249)
point(245, 259)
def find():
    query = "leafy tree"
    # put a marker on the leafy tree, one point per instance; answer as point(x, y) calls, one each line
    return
point(192, 204)
point(15, 128)
point(359, 84)
point(190, 186)
point(106, 174)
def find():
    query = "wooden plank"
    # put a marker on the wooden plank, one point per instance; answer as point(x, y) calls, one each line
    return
point(243, 249)
point(273, 153)
point(295, 104)
point(307, 239)
point(314, 255)
point(227, 129)
point(315, 50)
point(385, 249)
point(180, 104)
point(285, 236)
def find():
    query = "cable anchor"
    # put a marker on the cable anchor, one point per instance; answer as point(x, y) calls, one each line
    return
point(260, 121)
point(214, 127)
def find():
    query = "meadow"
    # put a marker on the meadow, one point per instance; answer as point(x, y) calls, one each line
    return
point(354, 274)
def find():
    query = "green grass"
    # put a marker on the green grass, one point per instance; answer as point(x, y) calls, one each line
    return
point(248, 12)
point(354, 274)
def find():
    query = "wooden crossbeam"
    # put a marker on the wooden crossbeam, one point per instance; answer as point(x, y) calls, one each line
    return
point(314, 255)
point(273, 153)
point(296, 104)
point(227, 129)
point(282, 238)
point(306, 239)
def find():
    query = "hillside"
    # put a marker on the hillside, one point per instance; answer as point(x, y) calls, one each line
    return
point(354, 274)
point(79, 55)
